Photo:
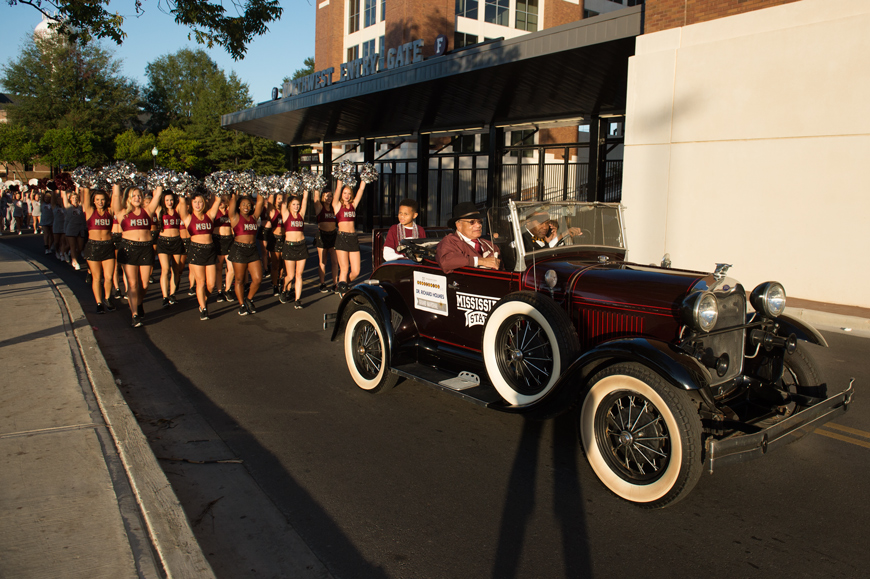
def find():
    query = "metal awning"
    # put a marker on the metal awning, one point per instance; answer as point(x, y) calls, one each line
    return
point(574, 70)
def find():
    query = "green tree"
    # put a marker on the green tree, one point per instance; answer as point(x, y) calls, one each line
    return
point(178, 151)
point(188, 91)
point(17, 145)
point(68, 147)
point(61, 84)
point(208, 20)
point(188, 88)
point(134, 147)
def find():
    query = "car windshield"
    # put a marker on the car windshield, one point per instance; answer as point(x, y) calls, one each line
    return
point(568, 223)
point(522, 228)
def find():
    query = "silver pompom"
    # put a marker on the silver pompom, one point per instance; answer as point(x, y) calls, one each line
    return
point(368, 173)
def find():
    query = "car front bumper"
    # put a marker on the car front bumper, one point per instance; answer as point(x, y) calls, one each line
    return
point(741, 448)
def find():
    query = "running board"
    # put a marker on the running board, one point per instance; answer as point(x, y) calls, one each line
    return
point(460, 385)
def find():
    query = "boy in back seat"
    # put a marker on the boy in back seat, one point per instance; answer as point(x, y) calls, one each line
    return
point(406, 228)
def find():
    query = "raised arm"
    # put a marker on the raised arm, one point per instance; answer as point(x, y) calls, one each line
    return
point(359, 193)
point(155, 200)
point(86, 201)
point(65, 197)
point(231, 208)
point(336, 198)
point(304, 206)
point(117, 209)
point(181, 207)
point(212, 212)
point(258, 208)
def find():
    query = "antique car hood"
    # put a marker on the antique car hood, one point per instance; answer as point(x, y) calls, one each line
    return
point(615, 284)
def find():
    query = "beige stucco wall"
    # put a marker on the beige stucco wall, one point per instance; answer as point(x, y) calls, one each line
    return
point(748, 142)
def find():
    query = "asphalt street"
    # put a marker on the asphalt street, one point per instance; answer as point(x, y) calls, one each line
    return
point(283, 465)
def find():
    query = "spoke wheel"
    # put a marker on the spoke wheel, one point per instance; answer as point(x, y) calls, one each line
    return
point(524, 355)
point(366, 353)
point(641, 435)
point(634, 435)
point(528, 341)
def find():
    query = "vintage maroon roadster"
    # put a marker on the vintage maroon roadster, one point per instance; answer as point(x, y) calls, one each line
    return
point(668, 371)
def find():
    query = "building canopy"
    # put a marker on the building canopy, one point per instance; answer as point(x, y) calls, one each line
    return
point(575, 70)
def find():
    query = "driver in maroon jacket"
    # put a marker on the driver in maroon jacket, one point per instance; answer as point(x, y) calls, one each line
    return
point(465, 247)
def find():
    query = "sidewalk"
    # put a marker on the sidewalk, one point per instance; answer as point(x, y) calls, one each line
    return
point(81, 494)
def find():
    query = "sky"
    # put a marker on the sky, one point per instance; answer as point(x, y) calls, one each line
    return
point(269, 59)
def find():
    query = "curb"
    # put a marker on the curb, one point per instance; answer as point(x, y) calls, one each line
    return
point(168, 527)
point(830, 321)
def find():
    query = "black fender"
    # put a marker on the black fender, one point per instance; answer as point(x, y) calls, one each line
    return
point(376, 298)
point(801, 330)
point(672, 364)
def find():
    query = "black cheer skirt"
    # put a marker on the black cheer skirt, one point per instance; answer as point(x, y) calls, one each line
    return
point(202, 253)
point(99, 250)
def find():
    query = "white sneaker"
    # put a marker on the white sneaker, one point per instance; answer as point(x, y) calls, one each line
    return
point(76, 266)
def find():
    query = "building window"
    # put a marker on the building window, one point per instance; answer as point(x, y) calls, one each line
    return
point(382, 51)
point(467, 8)
point(497, 12)
point(368, 48)
point(589, 13)
point(370, 13)
point(353, 16)
point(523, 138)
point(383, 10)
point(352, 53)
point(527, 15)
point(460, 40)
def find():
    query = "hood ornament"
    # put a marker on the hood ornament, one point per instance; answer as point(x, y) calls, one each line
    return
point(721, 270)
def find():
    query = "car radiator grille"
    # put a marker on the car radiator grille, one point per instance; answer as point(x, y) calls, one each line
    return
point(732, 313)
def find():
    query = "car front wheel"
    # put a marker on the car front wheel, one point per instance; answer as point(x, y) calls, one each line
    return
point(641, 435)
point(366, 353)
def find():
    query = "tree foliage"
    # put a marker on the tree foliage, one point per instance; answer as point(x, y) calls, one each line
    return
point(208, 20)
point(61, 84)
point(17, 144)
point(135, 147)
point(187, 91)
point(188, 88)
point(68, 148)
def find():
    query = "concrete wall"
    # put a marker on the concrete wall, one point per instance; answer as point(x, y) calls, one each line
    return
point(747, 141)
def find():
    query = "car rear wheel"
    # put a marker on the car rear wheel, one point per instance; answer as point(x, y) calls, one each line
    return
point(641, 435)
point(366, 353)
point(528, 341)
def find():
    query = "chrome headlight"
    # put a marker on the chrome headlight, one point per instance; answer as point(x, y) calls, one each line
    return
point(700, 311)
point(768, 298)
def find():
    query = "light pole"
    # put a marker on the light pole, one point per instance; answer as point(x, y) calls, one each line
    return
point(154, 154)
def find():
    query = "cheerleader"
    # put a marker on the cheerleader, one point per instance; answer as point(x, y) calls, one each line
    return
point(135, 254)
point(99, 251)
point(223, 238)
point(170, 248)
point(347, 244)
point(47, 223)
point(243, 253)
point(325, 240)
point(118, 275)
point(59, 238)
point(74, 227)
point(202, 253)
point(274, 234)
point(295, 250)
